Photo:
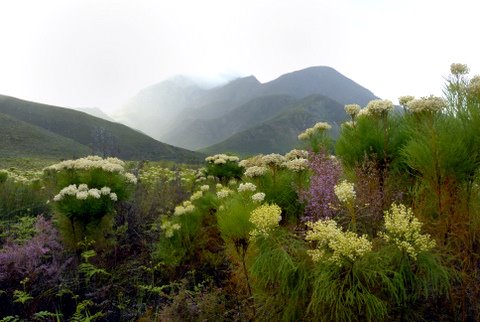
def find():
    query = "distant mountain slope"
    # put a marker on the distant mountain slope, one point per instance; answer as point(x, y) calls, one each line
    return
point(279, 134)
point(102, 137)
point(321, 80)
point(202, 133)
point(154, 108)
point(21, 139)
point(170, 110)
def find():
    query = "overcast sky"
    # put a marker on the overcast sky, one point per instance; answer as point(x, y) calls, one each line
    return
point(99, 53)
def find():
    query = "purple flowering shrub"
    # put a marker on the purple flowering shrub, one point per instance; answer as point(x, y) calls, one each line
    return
point(33, 266)
point(319, 197)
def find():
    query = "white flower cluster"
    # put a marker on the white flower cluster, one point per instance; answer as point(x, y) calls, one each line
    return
point(352, 109)
point(379, 107)
point(256, 160)
point(317, 128)
point(169, 228)
point(255, 171)
point(273, 160)
point(459, 69)
point(224, 193)
point(345, 192)
point(403, 229)
point(296, 165)
point(221, 159)
point(404, 100)
point(23, 177)
point(334, 245)
point(205, 188)
point(265, 218)
point(431, 104)
point(185, 208)
point(296, 154)
point(258, 197)
point(82, 193)
point(474, 86)
point(248, 186)
point(112, 165)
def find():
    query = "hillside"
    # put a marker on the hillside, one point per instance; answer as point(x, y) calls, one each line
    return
point(21, 139)
point(95, 111)
point(279, 134)
point(202, 133)
point(101, 136)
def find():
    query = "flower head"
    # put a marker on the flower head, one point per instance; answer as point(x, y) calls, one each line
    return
point(345, 192)
point(379, 107)
point(403, 229)
point(352, 109)
point(334, 245)
point(265, 218)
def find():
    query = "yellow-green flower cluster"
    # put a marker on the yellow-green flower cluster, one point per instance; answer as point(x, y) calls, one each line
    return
point(352, 109)
point(196, 195)
point(403, 229)
point(185, 208)
point(82, 192)
point(431, 104)
point(334, 245)
point(169, 228)
point(265, 218)
point(345, 192)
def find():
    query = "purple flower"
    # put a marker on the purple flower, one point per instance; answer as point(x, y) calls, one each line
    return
point(319, 197)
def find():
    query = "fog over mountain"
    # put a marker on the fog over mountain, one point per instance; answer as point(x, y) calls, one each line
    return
point(181, 112)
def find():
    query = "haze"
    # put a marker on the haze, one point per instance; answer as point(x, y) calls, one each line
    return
point(91, 53)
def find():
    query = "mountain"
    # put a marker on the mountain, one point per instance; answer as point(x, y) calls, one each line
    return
point(205, 132)
point(154, 108)
point(173, 109)
point(100, 136)
point(321, 80)
point(95, 111)
point(279, 134)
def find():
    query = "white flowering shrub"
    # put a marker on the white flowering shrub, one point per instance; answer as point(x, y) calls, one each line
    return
point(86, 191)
point(224, 167)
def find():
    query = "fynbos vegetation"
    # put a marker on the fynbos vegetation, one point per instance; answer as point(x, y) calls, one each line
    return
point(381, 225)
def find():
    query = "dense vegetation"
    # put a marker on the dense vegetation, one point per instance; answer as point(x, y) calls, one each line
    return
point(386, 228)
